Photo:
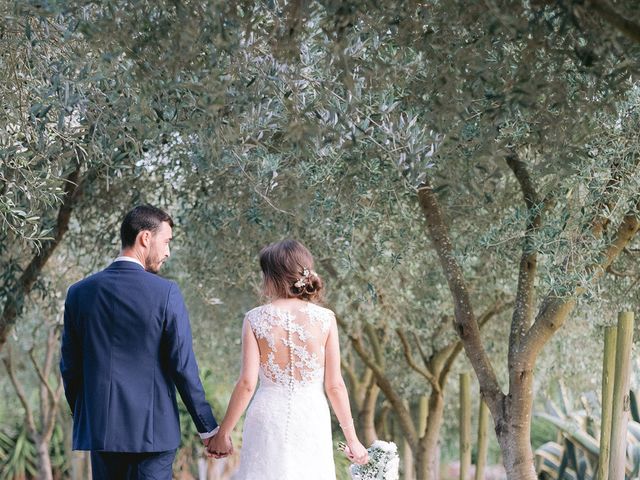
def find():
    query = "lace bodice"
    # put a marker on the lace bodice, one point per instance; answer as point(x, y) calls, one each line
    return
point(291, 342)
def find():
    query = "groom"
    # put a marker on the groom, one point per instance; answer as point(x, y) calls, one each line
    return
point(126, 347)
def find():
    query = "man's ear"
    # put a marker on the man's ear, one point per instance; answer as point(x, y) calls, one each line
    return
point(144, 237)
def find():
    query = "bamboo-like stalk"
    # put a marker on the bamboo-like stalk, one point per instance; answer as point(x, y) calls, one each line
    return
point(465, 425)
point(608, 372)
point(620, 403)
point(483, 443)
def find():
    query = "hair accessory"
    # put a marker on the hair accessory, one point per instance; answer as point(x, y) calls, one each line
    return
point(302, 281)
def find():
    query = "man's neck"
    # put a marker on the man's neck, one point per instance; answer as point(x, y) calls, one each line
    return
point(132, 255)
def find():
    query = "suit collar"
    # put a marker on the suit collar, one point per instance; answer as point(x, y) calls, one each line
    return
point(127, 258)
point(124, 265)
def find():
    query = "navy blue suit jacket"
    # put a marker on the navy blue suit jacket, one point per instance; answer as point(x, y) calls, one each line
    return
point(126, 346)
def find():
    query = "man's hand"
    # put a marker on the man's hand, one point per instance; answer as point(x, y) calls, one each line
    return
point(219, 446)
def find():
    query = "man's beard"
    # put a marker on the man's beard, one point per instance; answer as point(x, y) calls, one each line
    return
point(151, 266)
point(152, 269)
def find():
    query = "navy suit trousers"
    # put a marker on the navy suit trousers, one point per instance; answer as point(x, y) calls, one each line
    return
point(132, 466)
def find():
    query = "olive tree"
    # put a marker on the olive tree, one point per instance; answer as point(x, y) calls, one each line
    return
point(288, 108)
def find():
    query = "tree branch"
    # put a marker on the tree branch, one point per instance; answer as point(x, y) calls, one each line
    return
point(421, 351)
point(632, 286)
point(41, 375)
point(52, 347)
point(465, 322)
point(523, 311)
point(375, 343)
point(367, 417)
point(452, 353)
point(555, 310)
point(404, 416)
point(617, 273)
point(28, 412)
point(601, 221)
point(45, 389)
point(53, 412)
point(409, 357)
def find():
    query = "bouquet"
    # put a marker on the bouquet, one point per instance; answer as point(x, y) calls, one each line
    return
point(383, 463)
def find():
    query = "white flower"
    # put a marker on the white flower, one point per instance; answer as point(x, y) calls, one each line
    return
point(389, 447)
point(383, 463)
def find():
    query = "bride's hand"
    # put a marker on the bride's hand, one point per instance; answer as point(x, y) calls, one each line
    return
point(220, 445)
point(356, 452)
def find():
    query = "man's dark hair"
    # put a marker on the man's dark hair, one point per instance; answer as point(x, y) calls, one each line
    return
point(142, 217)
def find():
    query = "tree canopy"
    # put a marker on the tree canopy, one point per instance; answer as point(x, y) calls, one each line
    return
point(346, 125)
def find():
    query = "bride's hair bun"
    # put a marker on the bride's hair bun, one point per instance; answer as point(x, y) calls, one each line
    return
point(287, 267)
point(308, 285)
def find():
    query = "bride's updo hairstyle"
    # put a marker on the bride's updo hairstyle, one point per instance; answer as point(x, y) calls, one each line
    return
point(287, 269)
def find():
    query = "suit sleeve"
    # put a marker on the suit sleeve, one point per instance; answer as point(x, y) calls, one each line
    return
point(182, 362)
point(71, 355)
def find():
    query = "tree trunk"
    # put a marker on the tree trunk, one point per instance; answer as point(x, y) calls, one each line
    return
point(368, 414)
point(426, 457)
point(513, 426)
point(382, 422)
point(44, 460)
point(408, 457)
point(408, 461)
point(517, 455)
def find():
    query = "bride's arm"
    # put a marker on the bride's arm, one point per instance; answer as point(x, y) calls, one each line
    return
point(246, 384)
point(338, 396)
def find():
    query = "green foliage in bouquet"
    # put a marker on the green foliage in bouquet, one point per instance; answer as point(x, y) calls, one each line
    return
point(383, 463)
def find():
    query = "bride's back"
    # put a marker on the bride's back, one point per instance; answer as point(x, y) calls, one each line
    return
point(291, 338)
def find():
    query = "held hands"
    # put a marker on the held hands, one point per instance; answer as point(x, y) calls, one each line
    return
point(219, 446)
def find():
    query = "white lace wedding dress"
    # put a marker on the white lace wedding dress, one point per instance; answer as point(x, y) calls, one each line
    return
point(287, 428)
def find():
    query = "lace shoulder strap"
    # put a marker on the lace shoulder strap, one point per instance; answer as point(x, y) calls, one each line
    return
point(320, 316)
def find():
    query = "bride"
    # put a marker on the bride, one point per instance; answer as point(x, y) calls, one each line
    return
point(291, 344)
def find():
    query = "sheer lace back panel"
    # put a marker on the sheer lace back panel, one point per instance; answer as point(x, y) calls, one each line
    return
point(287, 429)
point(291, 342)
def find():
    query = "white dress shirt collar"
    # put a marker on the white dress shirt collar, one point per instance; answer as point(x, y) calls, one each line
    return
point(124, 258)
